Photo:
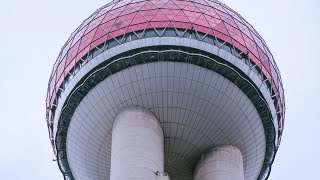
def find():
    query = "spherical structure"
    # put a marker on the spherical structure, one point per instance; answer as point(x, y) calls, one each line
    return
point(198, 66)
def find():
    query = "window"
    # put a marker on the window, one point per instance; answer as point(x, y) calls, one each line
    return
point(170, 33)
point(134, 37)
point(150, 33)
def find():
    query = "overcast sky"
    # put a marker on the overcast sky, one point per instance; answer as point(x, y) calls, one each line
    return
point(32, 33)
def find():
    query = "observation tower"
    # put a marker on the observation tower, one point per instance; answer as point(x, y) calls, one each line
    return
point(165, 89)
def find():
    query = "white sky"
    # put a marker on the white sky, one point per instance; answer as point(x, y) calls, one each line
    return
point(32, 33)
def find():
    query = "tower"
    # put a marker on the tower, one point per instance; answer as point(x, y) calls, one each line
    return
point(165, 89)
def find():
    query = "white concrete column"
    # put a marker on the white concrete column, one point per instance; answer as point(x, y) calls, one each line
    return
point(221, 163)
point(137, 150)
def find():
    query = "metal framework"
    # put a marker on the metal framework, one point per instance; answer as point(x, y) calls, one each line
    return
point(123, 21)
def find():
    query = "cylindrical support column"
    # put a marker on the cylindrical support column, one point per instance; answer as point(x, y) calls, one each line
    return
point(137, 150)
point(221, 163)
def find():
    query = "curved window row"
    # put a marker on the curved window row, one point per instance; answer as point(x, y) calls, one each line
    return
point(170, 32)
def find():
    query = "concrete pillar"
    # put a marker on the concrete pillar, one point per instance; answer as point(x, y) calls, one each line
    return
point(221, 163)
point(137, 150)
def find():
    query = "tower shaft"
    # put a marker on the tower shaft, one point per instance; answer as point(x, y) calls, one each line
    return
point(137, 145)
point(221, 163)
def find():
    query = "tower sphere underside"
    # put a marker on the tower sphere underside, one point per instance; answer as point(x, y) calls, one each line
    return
point(198, 66)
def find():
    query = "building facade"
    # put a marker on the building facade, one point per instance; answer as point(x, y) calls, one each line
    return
point(165, 89)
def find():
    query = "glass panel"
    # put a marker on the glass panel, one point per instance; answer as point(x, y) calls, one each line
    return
point(150, 33)
point(170, 33)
